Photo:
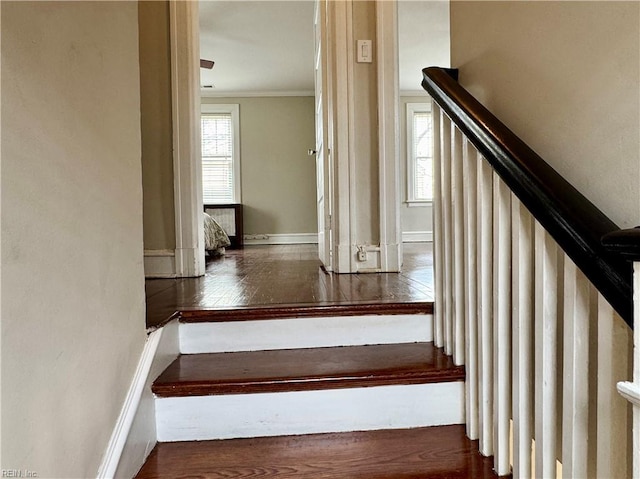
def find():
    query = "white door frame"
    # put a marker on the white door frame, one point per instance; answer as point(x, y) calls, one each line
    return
point(324, 176)
point(187, 161)
point(388, 135)
point(185, 92)
point(341, 80)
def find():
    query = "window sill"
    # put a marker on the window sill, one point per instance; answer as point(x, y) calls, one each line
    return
point(418, 203)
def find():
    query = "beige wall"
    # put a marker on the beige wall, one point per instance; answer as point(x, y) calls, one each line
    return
point(72, 274)
point(156, 126)
point(278, 177)
point(424, 39)
point(564, 76)
point(412, 218)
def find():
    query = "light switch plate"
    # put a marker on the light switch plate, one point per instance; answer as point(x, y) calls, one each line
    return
point(365, 54)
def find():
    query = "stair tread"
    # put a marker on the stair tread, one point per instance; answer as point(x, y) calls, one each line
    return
point(306, 369)
point(427, 453)
point(283, 311)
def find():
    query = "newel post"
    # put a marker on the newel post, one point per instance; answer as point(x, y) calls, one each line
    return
point(627, 243)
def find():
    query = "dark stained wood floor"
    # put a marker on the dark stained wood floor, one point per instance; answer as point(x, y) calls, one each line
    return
point(426, 453)
point(304, 369)
point(287, 275)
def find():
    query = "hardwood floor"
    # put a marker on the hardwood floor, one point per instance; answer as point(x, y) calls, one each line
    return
point(426, 453)
point(287, 275)
point(261, 282)
point(305, 369)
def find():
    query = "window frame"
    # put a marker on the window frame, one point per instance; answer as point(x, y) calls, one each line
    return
point(234, 110)
point(412, 109)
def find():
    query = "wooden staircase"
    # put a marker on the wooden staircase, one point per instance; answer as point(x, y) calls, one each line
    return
point(292, 391)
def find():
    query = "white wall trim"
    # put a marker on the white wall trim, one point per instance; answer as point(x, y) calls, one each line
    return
point(120, 433)
point(350, 195)
point(159, 252)
point(308, 412)
point(341, 52)
point(159, 263)
point(419, 203)
point(417, 236)
point(388, 134)
point(187, 167)
point(134, 435)
point(212, 93)
point(286, 238)
point(301, 333)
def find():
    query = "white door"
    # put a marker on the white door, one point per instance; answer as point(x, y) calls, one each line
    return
point(322, 154)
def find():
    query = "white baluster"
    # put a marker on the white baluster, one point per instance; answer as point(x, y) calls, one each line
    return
point(546, 344)
point(523, 314)
point(575, 382)
point(438, 236)
point(471, 158)
point(485, 326)
point(631, 391)
point(614, 364)
point(636, 372)
point(447, 221)
point(502, 324)
point(458, 248)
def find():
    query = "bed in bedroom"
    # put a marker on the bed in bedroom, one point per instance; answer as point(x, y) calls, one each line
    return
point(229, 216)
point(215, 239)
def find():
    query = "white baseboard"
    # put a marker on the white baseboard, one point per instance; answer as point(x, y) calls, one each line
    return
point(294, 333)
point(159, 263)
point(134, 434)
point(417, 236)
point(291, 238)
point(308, 412)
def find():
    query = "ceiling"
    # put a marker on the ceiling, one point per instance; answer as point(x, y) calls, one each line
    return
point(267, 47)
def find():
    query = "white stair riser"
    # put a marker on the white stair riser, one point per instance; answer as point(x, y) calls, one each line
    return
point(307, 412)
point(304, 333)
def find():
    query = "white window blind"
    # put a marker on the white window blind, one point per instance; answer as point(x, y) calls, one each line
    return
point(419, 153)
point(217, 158)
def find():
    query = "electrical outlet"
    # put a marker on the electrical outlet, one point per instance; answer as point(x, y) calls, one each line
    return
point(362, 255)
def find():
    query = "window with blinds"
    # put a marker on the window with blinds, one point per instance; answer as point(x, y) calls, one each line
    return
point(220, 171)
point(419, 153)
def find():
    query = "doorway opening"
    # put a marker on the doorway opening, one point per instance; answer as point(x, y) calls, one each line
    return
point(270, 166)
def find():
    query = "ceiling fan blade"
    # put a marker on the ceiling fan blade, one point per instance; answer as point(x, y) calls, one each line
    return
point(206, 64)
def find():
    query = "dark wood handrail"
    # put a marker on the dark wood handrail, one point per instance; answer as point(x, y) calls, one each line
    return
point(624, 242)
point(575, 223)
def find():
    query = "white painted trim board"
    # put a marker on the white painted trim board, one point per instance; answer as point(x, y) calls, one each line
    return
point(294, 333)
point(417, 236)
point(159, 263)
point(388, 134)
point(281, 238)
point(308, 412)
point(187, 160)
point(312, 238)
point(134, 434)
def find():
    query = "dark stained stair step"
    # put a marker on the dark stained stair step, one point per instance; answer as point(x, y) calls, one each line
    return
point(426, 453)
point(306, 369)
point(252, 313)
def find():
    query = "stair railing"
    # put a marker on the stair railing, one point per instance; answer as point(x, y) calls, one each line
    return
point(528, 298)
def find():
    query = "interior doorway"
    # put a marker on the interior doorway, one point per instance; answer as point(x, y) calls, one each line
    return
point(423, 40)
